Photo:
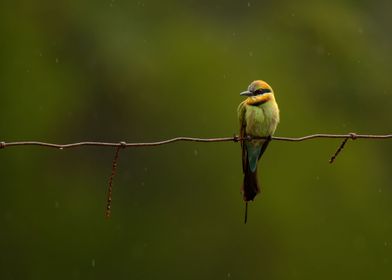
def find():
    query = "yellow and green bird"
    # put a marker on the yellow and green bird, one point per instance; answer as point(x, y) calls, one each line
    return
point(259, 116)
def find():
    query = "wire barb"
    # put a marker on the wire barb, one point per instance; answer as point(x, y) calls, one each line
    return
point(332, 159)
point(123, 144)
point(352, 136)
point(108, 211)
point(2, 145)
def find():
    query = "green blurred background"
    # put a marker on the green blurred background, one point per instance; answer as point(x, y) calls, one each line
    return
point(151, 70)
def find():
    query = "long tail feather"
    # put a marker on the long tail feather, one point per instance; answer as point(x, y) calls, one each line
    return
point(250, 188)
point(246, 211)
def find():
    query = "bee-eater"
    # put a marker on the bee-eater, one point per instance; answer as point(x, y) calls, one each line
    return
point(259, 116)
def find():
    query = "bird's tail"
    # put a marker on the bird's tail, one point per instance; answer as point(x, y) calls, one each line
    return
point(250, 188)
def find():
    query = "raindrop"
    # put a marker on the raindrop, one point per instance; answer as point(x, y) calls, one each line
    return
point(379, 190)
point(57, 60)
point(195, 152)
point(250, 53)
point(56, 204)
point(93, 262)
point(385, 244)
point(61, 148)
point(248, 4)
point(228, 275)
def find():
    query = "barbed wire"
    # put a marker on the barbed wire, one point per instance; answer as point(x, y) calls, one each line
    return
point(235, 138)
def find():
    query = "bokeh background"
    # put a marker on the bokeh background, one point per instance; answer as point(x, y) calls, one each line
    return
point(151, 70)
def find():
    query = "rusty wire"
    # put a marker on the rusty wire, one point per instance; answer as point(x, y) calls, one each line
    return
point(235, 138)
point(4, 145)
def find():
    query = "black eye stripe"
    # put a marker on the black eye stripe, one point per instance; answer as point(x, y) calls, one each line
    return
point(261, 91)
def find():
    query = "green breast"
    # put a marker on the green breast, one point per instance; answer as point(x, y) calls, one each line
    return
point(262, 120)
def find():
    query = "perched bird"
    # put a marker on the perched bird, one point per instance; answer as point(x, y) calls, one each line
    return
point(259, 116)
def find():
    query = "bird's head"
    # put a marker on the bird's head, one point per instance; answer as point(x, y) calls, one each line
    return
point(258, 93)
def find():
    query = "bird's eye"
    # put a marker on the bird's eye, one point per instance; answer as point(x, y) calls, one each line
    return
point(257, 92)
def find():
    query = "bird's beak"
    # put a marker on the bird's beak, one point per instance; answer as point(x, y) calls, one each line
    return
point(246, 93)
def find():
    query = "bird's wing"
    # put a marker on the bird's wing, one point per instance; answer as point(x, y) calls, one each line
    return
point(265, 145)
point(241, 117)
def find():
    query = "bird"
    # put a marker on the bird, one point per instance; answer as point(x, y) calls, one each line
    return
point(258, 116)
